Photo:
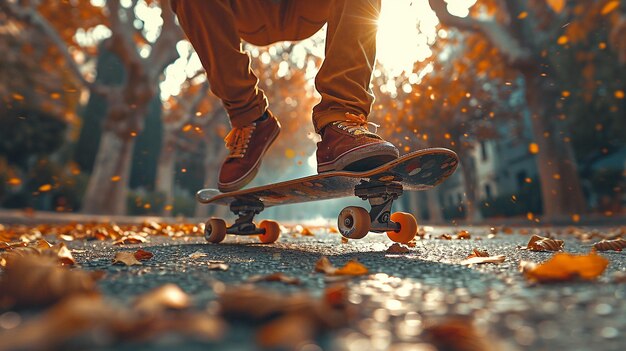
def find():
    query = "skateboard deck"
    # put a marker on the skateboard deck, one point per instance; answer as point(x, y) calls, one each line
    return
point(419, 170)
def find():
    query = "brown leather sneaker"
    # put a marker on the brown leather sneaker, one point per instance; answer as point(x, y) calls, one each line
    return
point(348, 145)
point(247, 146)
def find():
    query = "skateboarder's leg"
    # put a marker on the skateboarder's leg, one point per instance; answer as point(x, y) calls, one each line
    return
point(343, 82)
point(212, 29)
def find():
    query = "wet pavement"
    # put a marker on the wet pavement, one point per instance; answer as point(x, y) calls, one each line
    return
point(398, 299)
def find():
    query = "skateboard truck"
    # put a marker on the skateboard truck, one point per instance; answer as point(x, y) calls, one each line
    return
point(355, 222)
point(215, 229)
point(245, 211)
point(380, 197)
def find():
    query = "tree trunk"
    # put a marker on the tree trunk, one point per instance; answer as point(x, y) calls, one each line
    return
point(434, 206)
point(107, 188)
point(468, 168)
point(165, 176)
point(561, 189)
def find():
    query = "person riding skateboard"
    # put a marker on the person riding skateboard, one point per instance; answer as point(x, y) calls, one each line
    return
point(215, 28)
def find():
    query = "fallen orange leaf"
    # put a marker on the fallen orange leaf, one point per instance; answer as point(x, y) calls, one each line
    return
point(352, 267)
point(126, 257)
point(540, 243)
point(564, 267)
point(131, 239)
point(168, 296)
point(397, 248)
point(478, 253)
point(615, 245)
point(463, 234)
point(142, 255)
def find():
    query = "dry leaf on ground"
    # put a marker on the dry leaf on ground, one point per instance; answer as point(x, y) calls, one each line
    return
point(32, 281)
point(323, 265)
point(84, 320)
point(478, 253)
point(131, 239)
point(274, 277)
point(217, 266)
point(197, 255)
point(126, 257)
point(606, 245)
point(287, 332)
point(289, 319)
point(564, 267)
point(168, 296)
point(445, 236)
point(352, 267)
point(463, 234)
point(480, 260)
point(397, 248)
point(457, 334)
point(541, 243)
point(143, 255)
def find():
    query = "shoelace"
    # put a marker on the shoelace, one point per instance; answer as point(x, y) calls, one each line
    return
point(356, 124)
point(237, 140)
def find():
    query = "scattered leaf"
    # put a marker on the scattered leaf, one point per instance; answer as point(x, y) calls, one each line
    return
point(126, 257)
point(478, 253)
point(463, 234)
point(131, 239)
point(168, 296)
point(556, 5)
point(323, 265)
point(353, 267)
point(143, 255)
point(217, 266)
point(564, 267)
point(197, 255)
point(480, 260)
point(540, 243)
point(274, 277)
point(32, 281)
point(606, 245)
point(609, 7)
point(397, 248)
point(457, 334)
point(445, 236)
point(287, 332)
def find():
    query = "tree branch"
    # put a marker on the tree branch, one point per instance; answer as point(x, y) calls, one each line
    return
point(32, 17)
point(499, 36)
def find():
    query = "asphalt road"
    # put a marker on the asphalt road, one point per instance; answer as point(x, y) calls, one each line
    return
point(401, 293)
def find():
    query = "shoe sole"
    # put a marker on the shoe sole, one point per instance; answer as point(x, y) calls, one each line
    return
point(362, 158)
point(247, 178)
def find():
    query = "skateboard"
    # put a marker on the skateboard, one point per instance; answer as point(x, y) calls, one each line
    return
point(419, 170)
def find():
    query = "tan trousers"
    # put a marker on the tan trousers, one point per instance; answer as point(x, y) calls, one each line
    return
point(216, 27)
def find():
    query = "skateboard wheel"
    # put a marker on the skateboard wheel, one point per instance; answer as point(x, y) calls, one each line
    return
point(354, 222)
point(408, 227)
point(215, 230)
point(272, 231)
